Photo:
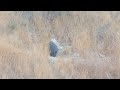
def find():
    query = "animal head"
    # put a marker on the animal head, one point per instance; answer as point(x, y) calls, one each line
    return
point(57, 43)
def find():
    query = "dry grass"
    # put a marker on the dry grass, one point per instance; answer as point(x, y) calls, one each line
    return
point(93, 35)
point(20, 63)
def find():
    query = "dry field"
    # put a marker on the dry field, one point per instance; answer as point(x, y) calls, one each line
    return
point(91, 41)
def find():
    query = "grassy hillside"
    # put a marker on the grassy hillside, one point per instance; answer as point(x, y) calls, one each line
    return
point(93, 38)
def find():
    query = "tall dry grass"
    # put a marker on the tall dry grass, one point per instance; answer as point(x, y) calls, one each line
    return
point(93, 35)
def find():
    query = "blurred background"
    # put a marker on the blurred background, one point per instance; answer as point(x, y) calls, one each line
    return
point(90, 39)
